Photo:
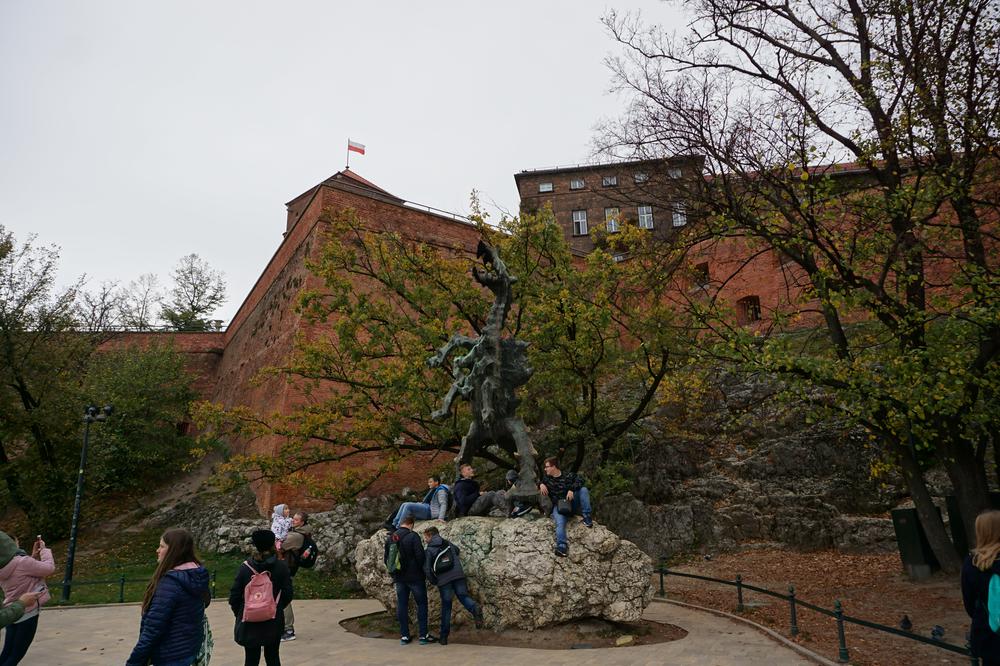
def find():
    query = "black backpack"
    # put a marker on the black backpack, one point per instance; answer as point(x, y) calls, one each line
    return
point(309, 552)
point(445, 559)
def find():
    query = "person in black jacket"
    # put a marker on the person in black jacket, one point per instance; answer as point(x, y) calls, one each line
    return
point(557, 485)
point(409, 580)
point(254, 636)
point(173, 609)
point(465, 490)
point(451, 582)
point(981, 565)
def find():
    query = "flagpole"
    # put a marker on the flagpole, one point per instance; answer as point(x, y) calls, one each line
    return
point(348, 153)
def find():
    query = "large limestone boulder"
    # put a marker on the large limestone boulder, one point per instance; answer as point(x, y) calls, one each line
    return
point(514, 574)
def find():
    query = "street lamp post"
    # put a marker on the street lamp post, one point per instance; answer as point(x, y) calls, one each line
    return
point(90, 415)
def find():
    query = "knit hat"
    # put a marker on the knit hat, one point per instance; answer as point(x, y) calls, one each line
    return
point(263, 540)
point(8, 549)
point(512, 476)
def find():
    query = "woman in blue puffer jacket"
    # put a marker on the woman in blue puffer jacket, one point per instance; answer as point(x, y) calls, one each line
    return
point(173, 609)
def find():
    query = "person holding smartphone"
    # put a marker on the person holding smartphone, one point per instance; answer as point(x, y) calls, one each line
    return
point(23, 579)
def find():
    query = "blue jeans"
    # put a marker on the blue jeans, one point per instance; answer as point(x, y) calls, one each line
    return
point(456, 588)
point(581, 505)
point(418, 510)
point(403, 591)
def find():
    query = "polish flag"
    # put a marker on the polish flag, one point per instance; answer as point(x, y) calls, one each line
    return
point(356, 147)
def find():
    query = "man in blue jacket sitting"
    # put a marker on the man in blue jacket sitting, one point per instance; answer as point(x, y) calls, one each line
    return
point(433, 506)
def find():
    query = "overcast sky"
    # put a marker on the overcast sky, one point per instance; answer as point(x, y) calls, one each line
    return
point(132, 133)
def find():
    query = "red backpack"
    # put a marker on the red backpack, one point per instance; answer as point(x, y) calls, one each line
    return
point(259, 602)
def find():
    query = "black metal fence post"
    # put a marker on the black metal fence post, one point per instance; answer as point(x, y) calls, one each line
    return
point(213, 583)
point(838, 612)
point(739, 593)
point(662, 566)
point(121, 589)
point(794, 629)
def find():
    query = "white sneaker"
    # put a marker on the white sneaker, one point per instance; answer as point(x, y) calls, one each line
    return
point(288, 636)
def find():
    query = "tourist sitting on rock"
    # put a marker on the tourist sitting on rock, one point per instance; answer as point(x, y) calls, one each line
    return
point(471, 501)
point(466, 490)
point(557, 486)
point(518, 508)
point(434, 505)
point(409, 579)
point(443, 568)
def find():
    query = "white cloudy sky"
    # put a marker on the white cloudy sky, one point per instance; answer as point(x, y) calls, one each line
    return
point(132, 133)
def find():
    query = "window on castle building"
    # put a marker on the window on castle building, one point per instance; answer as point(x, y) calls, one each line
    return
point(679, 215)
point(580, 223)
point(544, 187)
point(748, 310)
point(640, 177)
point(609, 181)
point(576, 184)
point(645, 217)
point(701, 275)
point(611, 219)
point(674, 172)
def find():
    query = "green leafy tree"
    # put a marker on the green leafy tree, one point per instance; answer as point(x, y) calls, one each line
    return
point(51, 368)
point(145, 438)
point(600, 344)
point(197, 292)
point(894, 260)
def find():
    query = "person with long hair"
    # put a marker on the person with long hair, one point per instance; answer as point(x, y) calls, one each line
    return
point(266, 634)
point(20, 575)
point(981, 565)
point(173, 609)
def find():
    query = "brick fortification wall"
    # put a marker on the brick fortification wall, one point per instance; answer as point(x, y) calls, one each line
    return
point(263, 332)
point(201, 352)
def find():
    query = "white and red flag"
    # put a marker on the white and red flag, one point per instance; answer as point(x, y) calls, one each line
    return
point(355, 147)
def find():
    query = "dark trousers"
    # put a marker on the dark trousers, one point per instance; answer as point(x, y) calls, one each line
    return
point(419, 592)
point(17, 640)
point(252, 653)
point(456, 588)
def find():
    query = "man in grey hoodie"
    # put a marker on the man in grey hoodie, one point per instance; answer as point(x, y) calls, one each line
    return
point(450, 581)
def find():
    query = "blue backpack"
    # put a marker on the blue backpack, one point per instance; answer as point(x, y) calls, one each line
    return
point(993, 602)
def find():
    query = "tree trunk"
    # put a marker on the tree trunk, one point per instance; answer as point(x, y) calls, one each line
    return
point(968, 482)
point(930, 517)
point(996, 457)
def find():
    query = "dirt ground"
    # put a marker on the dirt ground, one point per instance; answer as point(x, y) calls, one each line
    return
point(584, 634)
point(870, 587)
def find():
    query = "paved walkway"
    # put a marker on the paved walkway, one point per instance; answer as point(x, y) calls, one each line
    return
point(105, 635)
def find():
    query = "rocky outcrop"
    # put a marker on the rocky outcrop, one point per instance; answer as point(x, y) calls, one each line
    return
point(746, 467)
point(222, 523)
point(513, 573)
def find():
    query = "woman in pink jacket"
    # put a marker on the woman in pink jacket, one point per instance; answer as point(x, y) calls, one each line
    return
point(21, 575)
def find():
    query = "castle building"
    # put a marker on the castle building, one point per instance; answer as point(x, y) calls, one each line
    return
point(591, 200)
